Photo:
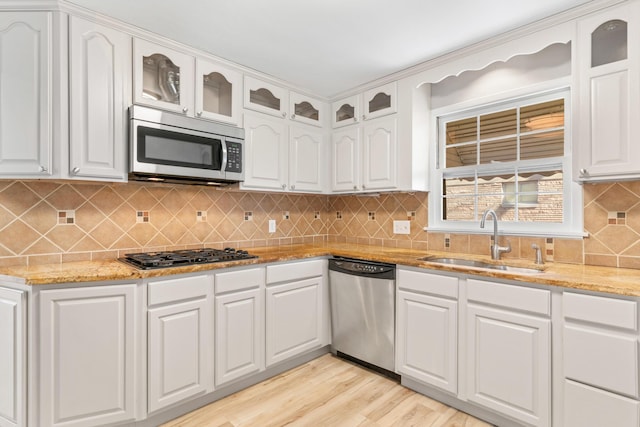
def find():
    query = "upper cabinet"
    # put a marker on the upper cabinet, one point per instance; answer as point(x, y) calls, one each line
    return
point(176, 81)
point(373, 103)
point(27, 81)
point(99, 96)
point(608, 51)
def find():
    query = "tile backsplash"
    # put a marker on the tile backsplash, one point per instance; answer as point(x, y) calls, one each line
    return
point(53, 221)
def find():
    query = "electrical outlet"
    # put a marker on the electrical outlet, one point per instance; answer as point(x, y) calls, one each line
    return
point(272, 226)
point(401, 227)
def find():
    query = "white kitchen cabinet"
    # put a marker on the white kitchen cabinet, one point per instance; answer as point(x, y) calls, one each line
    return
point(304, 109)
point(508, 350)
point(180, 343)
point(218, 92)
point(239, 324)
point(427, 328)
point(265, 97)
point(100, 94)
point(295, 309)
point(364, 157)
point(608, 52)
point(279, 157)
point(600, 359)
point(28, 57)
point(13, 357)
point(373, 103)
point(163, 77)
point(88, 347)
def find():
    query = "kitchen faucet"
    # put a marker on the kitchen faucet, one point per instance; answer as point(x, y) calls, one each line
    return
point(496, 249)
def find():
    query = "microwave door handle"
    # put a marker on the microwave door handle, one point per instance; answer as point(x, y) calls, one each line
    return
point(223, 168)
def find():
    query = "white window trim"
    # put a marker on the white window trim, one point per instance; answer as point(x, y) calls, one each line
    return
point(571, 227)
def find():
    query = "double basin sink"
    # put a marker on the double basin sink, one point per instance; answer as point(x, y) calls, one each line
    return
point(470, 263)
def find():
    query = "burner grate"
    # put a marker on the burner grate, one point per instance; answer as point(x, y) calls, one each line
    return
point(150, 260)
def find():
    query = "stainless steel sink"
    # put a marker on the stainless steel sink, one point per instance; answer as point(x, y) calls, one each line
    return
point(480, 264)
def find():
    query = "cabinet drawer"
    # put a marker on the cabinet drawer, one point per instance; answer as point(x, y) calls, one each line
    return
point(510, 296)
point(436, 284)
point(295, 271)
point(602, 359)
point(586, 406)
point(602, 310)
point(239, 280)
point(164, 291)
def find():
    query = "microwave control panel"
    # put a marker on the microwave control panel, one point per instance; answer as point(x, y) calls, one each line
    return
point(234, 157)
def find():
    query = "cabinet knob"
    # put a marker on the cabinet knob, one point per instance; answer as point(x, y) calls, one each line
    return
point(284, 186)
point(293, 187)
point(42, 169)
point(293, 117)
point(364, 186)
point(364, 117)
point(584, 172)
point(355, 187)
point(185, 109)
point(284, 114)
point(199, 113)
point(75, 170)
point(355, 119)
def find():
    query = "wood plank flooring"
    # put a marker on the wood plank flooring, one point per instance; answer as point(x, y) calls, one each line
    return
point(327, 392)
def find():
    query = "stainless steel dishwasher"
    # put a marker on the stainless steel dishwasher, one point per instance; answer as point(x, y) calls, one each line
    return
point(363, 311)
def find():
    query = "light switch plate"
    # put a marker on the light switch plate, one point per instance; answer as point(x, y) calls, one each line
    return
point(401, 227)
point(272, 226)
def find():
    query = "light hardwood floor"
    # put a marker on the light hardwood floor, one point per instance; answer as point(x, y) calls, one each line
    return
point(327, 392)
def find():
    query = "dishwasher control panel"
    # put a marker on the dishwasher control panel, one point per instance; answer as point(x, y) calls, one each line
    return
point(362, 267)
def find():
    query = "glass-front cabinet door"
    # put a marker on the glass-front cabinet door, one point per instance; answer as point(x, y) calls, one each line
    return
point(218, 92)
point(345, 111)
point(380, 101)
point(265, 97)
point(163, 77)
point(306, 110)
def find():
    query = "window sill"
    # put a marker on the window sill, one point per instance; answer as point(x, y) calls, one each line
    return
point(503, 231)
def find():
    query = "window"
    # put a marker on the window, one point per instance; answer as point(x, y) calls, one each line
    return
point(513, 158)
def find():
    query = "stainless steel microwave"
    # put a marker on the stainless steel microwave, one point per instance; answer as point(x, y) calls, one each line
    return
point(170, 147)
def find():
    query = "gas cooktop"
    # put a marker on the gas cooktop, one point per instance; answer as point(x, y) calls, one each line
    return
point(150, 260)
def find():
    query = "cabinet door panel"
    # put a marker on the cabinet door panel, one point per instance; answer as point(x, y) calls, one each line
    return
point(586, 406)
point(509, 363)
point(178, 353)
point(427, 339)
point(305, 159)
point(293, 319)
point(26, 85)
point(218, 92)
point(345, 160)
point(13, 355)
point(265, 97)
point(379, 155)
point(100, 68)
point(87, 344)
point(239, 340)
point(266, 153)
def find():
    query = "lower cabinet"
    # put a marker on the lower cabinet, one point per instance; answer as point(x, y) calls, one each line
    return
point(508, 350)
point(427, 325)
point(239, 324)
point(88, 343)
point(180, 340)
point(294, 309)
point(13, 356)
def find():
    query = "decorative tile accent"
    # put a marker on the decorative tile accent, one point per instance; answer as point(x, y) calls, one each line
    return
point(142, 216)
point(447, 241)
point(286, 215)
point(549, 246)
point(316, 215)
point(411, 215)
point(201, 216)
point(66, 217)
point(248, 216)
point(338, 215)
point(372, 216)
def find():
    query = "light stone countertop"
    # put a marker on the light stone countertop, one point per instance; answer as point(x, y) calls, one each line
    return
point(617, 281)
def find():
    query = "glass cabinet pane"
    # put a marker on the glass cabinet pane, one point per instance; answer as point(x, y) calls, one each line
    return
point(265, 98)
point(345, 112)
point(609, 43)
point(217, 94)
point(379, 102)
point(305, 109)
point(161, 79)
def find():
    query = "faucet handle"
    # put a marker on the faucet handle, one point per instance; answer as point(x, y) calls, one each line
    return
point(538, 253)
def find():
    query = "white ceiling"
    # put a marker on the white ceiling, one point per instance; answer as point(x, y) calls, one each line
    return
point(329, 46)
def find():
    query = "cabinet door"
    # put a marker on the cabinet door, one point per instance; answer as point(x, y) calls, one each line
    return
point(306, 110)
point(509, 363)
point(609, 55)
point(26, 85)
point(218, 92)
point(88, 341)
point(266, 154)
point(13, 397)
point(345, 159)
point(427, 341)
point(265, 97)
point(239, 335)
point(586, 406)
point(345, 111)
point(379, 155)
point(163, 77)
point(306, 163)
point(178, 353)
point(380, 101)
point(293, 319)
point(99, 85)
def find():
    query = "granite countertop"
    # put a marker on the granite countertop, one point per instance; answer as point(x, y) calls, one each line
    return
point(591, 278)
